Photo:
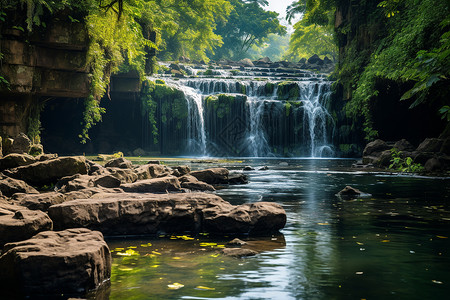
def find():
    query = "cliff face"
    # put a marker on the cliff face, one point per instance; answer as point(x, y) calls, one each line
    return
point(49, 62)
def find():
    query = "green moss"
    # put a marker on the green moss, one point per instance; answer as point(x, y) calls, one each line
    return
point(269, 88)
point(288, 90)
point(221, 104)
point(287, 107)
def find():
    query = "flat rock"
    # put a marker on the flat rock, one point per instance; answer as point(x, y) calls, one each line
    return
point(238, 252)
point(46, 172)
point(130, 213)
point(119, 163)
point(38, 201)
point(56, 263)
point(107, 181)
point(198, 186)
point(10, 186)
point(212, 176)
point(22, 224)
point(15, 160)
point(155, 185)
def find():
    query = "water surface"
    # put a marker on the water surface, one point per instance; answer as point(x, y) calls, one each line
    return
point(391, 245)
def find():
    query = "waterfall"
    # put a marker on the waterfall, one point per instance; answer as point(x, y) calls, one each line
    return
point(246, 116)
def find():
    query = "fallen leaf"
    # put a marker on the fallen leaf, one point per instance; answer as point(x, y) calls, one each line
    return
point(442, 237)
point(204, 288)
point(385, 241)
point(175, 286)
point(323, 224)
point(437, 282)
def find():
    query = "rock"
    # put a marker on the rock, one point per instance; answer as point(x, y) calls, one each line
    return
point(95, 168)
point(142, 172)
point(56, 263)
point(404, 145)
point(248, 168)
point(198, 186)
point(21, 144)
point(327, 61)
point(430, 145)
point(265, 168)
point(183, 170)
point(433, 165)
point(265, 60)
point(124, 175)
point(238, 252)
point(123, 214)
point(38, 201)
point(237, 178)
point(349, 192)
point(36, 149)
point(7, 145)
point(153, 162)
point(46, 172)
point(74, 183)
point(375, 148)
point(107, 181)
point(1, 147)
point(155, 185)
point(384, 159)
point(254, 218)
point(120, 162)
point(236, 243)
point(44, 157)
point(315, 59)
point(212, 176)
point(15, 160)
point(175, 67)
point(246, 62)
point(22, 224)
point(10, 186)
point(302, 61)
point(187, 178)
point(422, 157)
point(157, 170)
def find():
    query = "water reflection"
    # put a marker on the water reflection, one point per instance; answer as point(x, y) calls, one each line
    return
point(391, 245)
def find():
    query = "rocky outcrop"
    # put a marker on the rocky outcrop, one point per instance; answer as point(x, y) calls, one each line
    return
point(38, 201)
point(10, 186)
point(119, 163)
point(19, 223)
point(155, 185)
point(46, 172)
point(117, 214)
point(212, 176)
point(15, 160)
point(21, 144)
point(52, 264)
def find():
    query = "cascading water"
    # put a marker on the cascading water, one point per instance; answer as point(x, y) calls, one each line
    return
point(242, 116)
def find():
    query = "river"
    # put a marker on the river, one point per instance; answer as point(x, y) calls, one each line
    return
point(392, 244)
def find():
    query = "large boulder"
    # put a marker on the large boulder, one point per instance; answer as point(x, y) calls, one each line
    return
point(315, 59)
point(52, 264)
point(74, 183)
point(47, 172)
point(107, 181)
point(124, 175)
point(15, 160)
point(21, 144)
point(38, 201)
point(157, 170)
point(117, 214)
point(403, 145)
point(375, 148)
point(119, 163)
point(212, 176)
point(198, 186)
point(10, 186)
point(430, 145)
point(154, 185)
point(253, 218)
point(246, 62)
point(21, 224)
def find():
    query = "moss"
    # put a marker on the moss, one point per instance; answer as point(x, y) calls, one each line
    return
point(269, 88)
point(288, 90)
point(221, 104)
point(159, 81)
point(287, 107)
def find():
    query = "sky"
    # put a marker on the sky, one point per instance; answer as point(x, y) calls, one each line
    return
point(279, 6)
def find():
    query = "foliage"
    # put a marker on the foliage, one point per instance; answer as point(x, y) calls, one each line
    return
point(91, 116)
point(150, 106)
point(249, 24)
point(34, 122)
point(274, 47)
point(404, 164)
point(313, 34)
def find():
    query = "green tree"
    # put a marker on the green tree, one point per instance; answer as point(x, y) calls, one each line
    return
point(249, 24)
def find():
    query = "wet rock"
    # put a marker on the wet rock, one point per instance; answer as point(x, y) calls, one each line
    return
point(10, 186)
point(120, 162)
point(183, 170)
point(236, 243)
point(248, 168)
point(430, 145)
point(349, 192)
point(56, 263)
point(375, 148)
point(237, 178)
point(155, 185)
point(445, 146)
point(22, 224)
point(265, 168)
point(404, 145)
point(238, 252)
point(187, 178)
point(433, 165)
point(38, 201)
point(198, 186)
point(212, 176)
point(384, 159)
point(107, 181)
point(254, 218)
point(46, 172)
point(21, 144)
point(246, 62)
point(124, 175)
point(15, 160)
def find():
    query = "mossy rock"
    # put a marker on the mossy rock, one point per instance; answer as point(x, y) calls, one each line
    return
point(36, 149)
point(288, 90)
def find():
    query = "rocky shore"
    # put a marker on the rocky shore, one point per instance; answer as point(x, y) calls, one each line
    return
point(55, 210)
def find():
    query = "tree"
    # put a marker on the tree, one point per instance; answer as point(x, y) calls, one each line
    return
point(248, 24)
